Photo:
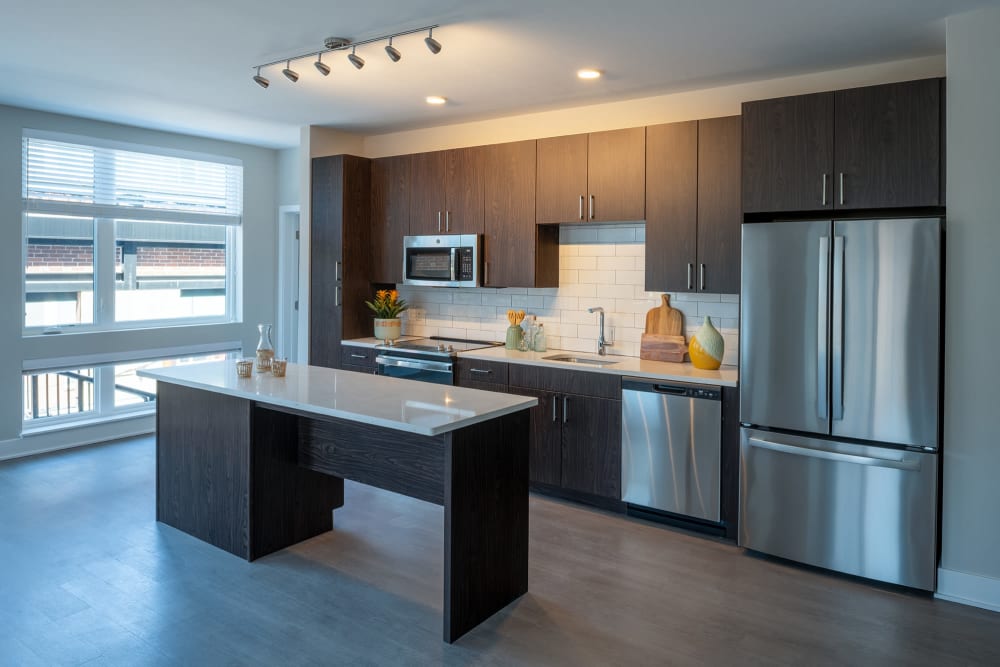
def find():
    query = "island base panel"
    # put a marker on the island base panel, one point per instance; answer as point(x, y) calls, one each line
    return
point(486, 521)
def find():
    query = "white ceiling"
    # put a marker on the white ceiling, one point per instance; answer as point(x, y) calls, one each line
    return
point(185, 65)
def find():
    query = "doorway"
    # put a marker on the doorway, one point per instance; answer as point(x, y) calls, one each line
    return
point(287, 334)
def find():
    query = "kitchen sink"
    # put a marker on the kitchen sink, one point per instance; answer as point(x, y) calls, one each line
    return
point(580, 360)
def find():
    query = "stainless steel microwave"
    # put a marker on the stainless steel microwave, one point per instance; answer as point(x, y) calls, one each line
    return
point(451, 260)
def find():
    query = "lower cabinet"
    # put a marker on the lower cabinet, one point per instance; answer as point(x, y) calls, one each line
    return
point(357, 358)
point(591, 445)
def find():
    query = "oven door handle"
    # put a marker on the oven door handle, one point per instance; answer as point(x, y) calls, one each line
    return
point(419, 364)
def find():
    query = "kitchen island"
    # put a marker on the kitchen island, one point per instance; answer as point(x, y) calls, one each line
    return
point(253, 465)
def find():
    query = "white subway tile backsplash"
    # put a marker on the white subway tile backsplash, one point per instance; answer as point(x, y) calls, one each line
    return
point(592, 273)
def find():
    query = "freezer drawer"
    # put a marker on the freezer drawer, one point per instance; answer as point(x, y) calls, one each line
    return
point(867, 511)
point(672, 447)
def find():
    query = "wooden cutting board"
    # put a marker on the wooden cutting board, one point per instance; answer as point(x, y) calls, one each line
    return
point(664, 320)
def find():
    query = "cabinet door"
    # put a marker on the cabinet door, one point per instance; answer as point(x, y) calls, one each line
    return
point(719, 210)
point(464, 191)
point(428, 174)
point(787, 154)
point(888, 145)
point(390, 217)
point(592, 445)
point(562, 179)
point(671, 206)
point(545, 446)
point(616, 175)
point(513, 242)
point(326, 311)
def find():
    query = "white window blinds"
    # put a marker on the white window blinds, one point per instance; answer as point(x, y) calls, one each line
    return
point(114, 181)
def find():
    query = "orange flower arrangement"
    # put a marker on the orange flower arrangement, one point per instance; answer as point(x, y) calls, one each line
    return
point(387, 304)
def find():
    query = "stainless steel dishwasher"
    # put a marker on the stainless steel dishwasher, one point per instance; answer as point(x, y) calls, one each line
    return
point(672, 447)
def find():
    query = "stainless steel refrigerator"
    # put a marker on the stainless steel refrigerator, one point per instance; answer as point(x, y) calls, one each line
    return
point(840, 344)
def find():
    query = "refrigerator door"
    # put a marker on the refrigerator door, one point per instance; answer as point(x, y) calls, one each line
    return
point(784, 302)
point(885, 330)
point(863, 510)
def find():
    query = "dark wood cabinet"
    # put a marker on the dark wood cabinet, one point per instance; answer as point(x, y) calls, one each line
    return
point(357, 358)
point(719, 210)
point(340, 255)
point(517, 252)
point(693, 207)
point(591, 445)
point(616, 175)
point(575, 429)
point(598, 177)
point(447, 192)
point(562, 179)
point(856, 149)
point(671, 206)
point(428, 173)
point(788, 154)
point(887, 150)
point(390, 216)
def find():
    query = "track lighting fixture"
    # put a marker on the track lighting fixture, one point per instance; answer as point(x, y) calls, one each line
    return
point(393, 52)
point(355, 59)
point(321, 66)
point(433, 45)
point(342, 44)
point(259, 80)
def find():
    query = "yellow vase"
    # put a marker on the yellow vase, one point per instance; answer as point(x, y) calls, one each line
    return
point(707, 347)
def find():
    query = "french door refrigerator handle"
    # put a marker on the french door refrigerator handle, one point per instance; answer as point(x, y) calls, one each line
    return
point(838, 329)
point(822, 328)
point(834, 456)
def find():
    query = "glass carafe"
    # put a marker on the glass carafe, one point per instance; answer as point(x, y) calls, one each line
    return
point(265, 348)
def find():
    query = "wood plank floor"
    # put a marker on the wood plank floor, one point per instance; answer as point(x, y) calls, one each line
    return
point(88, 577)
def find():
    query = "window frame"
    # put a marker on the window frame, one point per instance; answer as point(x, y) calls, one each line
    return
point(104, 218)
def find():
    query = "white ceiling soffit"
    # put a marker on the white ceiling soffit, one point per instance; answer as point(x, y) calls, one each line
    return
point(185, 65)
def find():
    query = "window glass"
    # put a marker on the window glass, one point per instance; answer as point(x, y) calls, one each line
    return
point(130, 389)
point(58, 270)
point(169, 271)
point(58, 393)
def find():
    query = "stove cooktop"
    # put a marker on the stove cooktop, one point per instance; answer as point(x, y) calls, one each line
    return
point(438, 345)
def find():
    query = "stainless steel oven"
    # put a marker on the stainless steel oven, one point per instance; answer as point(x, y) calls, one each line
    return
point(450, 260)
point(425, 359)
point(409, 368)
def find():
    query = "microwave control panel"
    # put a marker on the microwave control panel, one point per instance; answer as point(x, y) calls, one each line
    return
point(466, 270)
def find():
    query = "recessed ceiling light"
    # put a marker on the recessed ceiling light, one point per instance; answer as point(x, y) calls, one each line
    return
point(589, 74)
point(436, 99)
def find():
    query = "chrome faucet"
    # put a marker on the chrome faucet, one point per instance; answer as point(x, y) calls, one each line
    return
point(602, 343)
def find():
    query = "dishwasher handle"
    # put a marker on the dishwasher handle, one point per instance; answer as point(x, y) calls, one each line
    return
point(680, 389)
point(670, 389)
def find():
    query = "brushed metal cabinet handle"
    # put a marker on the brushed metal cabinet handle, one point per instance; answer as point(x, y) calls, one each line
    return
point(555, 401)
point(701, 277)
point(841, 188)
point(591, 207)
point(690, 269)
point(486, 278)
point(336, 296)
point(565, 408)
point(480, 370)
point(358, 356)
point(581, 207)
point(439, 221)
point(824, 188)
point(447, 221)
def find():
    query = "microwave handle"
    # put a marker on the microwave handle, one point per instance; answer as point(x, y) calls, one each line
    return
point(454, 264)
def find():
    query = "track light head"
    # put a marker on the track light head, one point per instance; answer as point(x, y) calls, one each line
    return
point(321, 66)
point(433, 45)
point(289, 73)
point(259, 80)
point(355, 59)
point(393, 52)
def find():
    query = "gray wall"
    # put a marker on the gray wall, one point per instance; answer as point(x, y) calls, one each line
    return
point(288, 177)
point(971, 531)
point(259, 240)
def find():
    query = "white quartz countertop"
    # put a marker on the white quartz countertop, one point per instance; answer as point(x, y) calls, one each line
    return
point(726, 376)
point(405, 405)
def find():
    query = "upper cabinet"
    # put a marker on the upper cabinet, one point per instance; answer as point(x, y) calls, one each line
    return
point(863, 148)
point(390, 216)
point(516, 252)
point(597, 177)
point(888, 148)
point(447, 192)
point(693, 211)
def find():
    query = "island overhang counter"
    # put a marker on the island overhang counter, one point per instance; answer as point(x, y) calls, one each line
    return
point(253, 465)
